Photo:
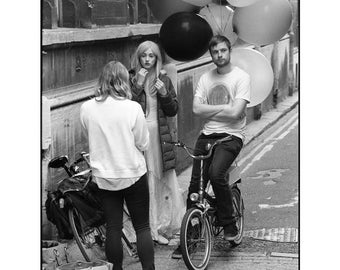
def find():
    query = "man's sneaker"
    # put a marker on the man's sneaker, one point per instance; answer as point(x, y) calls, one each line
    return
point(230, 232)
point(177, 254)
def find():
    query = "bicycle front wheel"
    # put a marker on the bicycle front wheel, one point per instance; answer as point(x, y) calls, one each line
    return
point(239, 210)
point(195, 239)
point(86, 238)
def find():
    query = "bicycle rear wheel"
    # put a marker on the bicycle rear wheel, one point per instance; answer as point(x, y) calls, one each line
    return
point(195, 239)
point(85, 237)
point(239, 210)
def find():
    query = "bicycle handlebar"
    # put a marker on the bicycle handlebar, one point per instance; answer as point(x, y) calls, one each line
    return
point(83, 157)
point(200, 157)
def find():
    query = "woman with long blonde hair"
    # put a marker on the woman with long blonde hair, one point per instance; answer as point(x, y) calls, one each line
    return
point(118, 135)
point(153, 89)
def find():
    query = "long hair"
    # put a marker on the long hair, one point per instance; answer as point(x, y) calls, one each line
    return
point(144, 46)
point(114, 82)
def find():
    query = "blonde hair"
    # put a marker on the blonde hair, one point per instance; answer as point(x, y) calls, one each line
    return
point(144, 46)
point(114, 82)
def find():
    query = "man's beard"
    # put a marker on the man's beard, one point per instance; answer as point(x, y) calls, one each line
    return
point(223, 63)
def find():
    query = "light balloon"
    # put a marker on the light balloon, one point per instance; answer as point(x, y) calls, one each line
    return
point(162, 9)
point(199, 3)
point(241, 3)
point(260, 71)
point(264, 22)
point(220, 19)
point(185, 36)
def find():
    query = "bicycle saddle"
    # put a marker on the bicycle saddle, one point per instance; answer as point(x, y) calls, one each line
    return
point(58, 162)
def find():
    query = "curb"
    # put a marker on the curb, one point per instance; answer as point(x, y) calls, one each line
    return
point(283, 234)
point(268, 119)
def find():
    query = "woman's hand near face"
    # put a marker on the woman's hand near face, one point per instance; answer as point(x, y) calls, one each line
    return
point(160, 87)
point(141, 75)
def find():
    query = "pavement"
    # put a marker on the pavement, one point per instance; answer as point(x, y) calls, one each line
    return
point(252, 253)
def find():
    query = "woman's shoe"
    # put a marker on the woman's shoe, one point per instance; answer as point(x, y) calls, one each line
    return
point(162, 240)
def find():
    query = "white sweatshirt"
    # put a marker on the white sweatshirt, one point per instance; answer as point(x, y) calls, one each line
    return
point(117, 134)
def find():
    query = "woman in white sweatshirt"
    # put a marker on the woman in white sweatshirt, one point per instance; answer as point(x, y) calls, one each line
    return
point(118, 135)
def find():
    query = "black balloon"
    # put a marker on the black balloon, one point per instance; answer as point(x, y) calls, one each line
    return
point(185, 36)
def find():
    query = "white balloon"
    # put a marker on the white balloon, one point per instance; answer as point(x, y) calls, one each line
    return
point(264, 22)
point(220, 19)
point(241, 3)
point(199, 3)
point(260, 71)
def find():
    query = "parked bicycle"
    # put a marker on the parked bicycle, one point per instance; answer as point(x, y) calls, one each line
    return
point(199, 225)
point(77, 195)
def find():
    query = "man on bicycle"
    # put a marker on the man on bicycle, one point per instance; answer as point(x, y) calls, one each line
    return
point(221, 98)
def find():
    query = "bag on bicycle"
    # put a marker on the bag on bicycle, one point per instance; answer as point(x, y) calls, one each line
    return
point(84, 200)
point(58, 216)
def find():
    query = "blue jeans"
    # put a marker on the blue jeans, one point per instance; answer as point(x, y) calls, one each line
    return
point(137, 201)
point(215, 169)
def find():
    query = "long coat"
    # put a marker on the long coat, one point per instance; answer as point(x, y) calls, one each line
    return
point(167, 107)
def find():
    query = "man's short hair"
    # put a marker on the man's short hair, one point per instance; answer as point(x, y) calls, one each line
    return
point(218, 39)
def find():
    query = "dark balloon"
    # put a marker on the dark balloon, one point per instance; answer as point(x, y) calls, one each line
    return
point(185, 36)
point(162, 9)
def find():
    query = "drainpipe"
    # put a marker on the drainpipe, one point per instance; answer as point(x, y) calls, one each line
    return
point(276, 74)
point(291, 61)
point(258, 108)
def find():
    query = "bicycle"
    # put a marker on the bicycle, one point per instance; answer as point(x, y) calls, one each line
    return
point(87, 234)
point(199, 224)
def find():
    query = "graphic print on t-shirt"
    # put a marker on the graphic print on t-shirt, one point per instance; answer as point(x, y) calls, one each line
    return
point(219, 94)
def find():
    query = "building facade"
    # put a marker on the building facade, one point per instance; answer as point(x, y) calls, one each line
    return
point(80, 36)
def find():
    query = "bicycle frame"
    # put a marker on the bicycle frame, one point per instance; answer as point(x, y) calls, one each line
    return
point(203, 200)
point(202, 194)
point(203, 213)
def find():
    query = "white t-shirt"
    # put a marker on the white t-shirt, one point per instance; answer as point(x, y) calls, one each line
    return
point(117, 134)
point(215, 88)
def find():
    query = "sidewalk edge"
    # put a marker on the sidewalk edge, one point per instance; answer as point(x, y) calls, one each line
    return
point(281, 110)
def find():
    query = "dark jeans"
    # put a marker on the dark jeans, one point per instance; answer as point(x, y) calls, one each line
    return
point(215, 169)
point(137, 201)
